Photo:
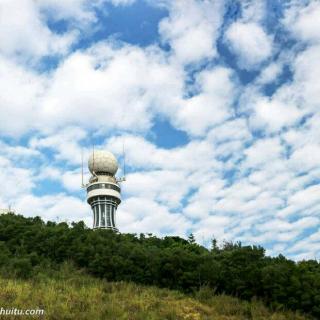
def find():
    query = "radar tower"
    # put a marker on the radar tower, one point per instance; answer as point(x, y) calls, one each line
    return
point(103, 189)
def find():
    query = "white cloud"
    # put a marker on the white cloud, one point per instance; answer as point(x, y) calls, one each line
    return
point(304, 202)
point(24, 33)
point(283, 225)
point(17, 153)
point(306, 87)
point(263, 152)
point(26, 36)
point(269, 74)
point(159, 185)
point(14, 179)
point(83, 12)
point(211, 227)
point(195, 156)
point(21, 90)
point(65, 143)
point(253, 10)
point(250, 43)
point(147, 216)
point(192, 29)
point(211, 106)
point(87, 87)
point(235, 129)
point(79, 10)
point(59, 207)
point(306, 248)
point(110, 80)
point(121, 2)
point(306, 158)
point(273, 115)
point(200, 204)
point(71, 180)
point(303, 21)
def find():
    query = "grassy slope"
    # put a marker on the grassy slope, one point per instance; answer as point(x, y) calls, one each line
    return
point(71, 295)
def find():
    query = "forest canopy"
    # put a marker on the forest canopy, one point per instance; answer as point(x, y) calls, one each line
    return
point(30, 245)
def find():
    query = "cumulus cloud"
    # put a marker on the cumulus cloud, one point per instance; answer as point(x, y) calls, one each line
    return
point(144, 215)
point(303, 21)
point(54, 207)
point(122, 2)
point(102, 81)
point(270, 73)
point(65, 144)
point(263, 152)
point(192, 29)
point(305, 88)
point(24, 33)
point(120, 83)
point(274, 115)
point(15, 179)
point(79, 10)
point(196, 155)
point(250, 43)
point(212, 106)
point(253, 10)
point(19, 99)
point(159, 185)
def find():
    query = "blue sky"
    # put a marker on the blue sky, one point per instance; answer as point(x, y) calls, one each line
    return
point(217, 103)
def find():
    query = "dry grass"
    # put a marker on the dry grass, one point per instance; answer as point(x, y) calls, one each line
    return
point(71, 295)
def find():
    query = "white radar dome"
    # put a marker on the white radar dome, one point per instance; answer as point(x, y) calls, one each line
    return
point(101, 161)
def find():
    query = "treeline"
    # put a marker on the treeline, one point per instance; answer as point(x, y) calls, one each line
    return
point(29, 245)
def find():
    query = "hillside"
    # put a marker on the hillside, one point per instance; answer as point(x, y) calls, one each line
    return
point(29, 247)
point(70, 294)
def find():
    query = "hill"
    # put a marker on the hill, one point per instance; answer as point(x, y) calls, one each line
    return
point(70, 294)
point(29, 247)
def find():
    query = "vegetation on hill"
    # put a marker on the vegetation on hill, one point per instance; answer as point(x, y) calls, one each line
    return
point(70, 294)
point(28, 246)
